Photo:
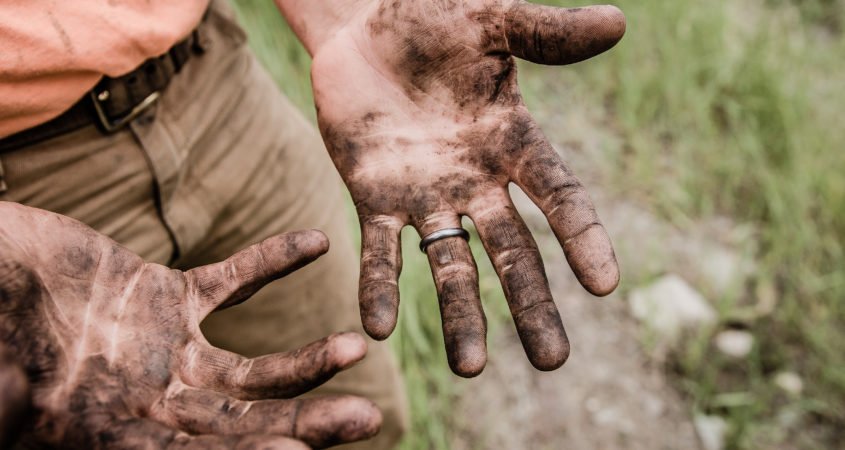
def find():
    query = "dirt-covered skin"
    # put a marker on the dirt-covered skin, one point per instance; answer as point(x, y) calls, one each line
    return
point(419, 107)
point(15, 397)
point(112, 350)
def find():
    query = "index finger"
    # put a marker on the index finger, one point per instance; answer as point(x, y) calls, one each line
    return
point(279, 375)
point(546, 179)
point(232, 281)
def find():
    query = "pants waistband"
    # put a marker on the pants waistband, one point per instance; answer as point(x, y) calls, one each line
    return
point(114, 102)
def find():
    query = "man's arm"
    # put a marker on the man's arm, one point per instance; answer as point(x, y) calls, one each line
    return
point(315, 21)
point(418, 104)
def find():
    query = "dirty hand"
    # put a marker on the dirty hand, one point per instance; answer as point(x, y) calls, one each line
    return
point(419, 107)
point(114, 356)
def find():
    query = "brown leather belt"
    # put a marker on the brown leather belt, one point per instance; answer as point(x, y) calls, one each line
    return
point(113, 102)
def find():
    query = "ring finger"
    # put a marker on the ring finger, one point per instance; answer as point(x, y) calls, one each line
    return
point(456, 280)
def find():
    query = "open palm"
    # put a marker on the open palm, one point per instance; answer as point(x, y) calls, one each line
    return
point(419, 106)
point(112, 349)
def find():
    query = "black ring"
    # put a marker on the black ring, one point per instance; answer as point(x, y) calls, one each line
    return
point(443, 234)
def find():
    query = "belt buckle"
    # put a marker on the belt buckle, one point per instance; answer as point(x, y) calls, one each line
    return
point(111, 126)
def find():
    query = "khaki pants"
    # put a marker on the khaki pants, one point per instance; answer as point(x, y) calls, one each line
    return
point(222, 161)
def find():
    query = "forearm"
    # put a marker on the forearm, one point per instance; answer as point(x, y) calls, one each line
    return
point(316, 21)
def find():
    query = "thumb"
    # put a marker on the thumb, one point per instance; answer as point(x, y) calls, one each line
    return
point(559, 36)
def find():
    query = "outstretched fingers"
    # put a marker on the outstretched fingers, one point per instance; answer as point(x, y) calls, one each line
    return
point(550, 35)
point(381, 263)
point(546, 179)
point(319, 422)
point(232, 281)
point(280, 375)
point(517, 261)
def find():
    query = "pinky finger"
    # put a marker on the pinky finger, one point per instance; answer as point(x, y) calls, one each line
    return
point(381, 262)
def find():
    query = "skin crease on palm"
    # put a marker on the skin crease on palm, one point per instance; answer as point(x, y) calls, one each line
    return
point(419, 106)
point(113, 355)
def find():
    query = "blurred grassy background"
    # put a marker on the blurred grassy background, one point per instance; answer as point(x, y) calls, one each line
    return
point(723, 108)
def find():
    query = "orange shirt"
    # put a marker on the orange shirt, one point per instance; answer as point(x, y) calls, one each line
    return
point(53, 51)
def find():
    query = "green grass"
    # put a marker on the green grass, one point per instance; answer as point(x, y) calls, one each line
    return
point(723, 108)
point(734, 108)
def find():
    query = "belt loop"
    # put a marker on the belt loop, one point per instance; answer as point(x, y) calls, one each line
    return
point(3, 186)
point(200, 41)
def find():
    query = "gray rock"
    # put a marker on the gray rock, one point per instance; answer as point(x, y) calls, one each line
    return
point(670, 305)
point(711, 430)
point(790, 382)
point(735, 343)
point(720, 268)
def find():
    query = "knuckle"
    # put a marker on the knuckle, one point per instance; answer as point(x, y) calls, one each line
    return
point(240, 376)
point(378, 266)
point(259, 257)
point(567, 190)
point(541, 305)
point(372, 286)
point(583, 229)
point(517, 257)
point(231, 275)
point(457, 270)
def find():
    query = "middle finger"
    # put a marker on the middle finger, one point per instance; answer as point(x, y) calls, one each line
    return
point(456, 280)
point(517, 261)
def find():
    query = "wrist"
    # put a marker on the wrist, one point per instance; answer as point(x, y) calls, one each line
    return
point(317, 21)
